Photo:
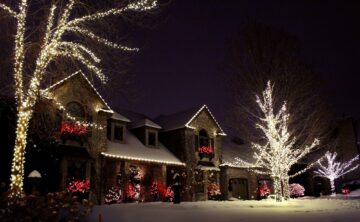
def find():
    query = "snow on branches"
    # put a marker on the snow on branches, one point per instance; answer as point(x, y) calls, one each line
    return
point(333, 170)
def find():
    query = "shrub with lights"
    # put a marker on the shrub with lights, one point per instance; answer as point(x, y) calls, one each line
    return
point(113, 196)
point(214, 191)
point(133, 188)
point(296, 190)
point(79, 188)
point(169, 194)
point(263, 190)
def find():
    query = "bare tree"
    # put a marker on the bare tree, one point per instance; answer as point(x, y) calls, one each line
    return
point(55, 44)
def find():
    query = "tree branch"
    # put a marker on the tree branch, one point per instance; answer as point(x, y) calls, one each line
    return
point(9, 10)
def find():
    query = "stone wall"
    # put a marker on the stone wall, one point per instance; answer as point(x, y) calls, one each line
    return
point(206, 122)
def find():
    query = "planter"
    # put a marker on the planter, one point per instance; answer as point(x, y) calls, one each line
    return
point(73, 137)
point(206, 155)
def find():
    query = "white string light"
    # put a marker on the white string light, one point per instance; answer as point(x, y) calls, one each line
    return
point(333, 170)
point(61, 107)
point(142, 159)
point(187, 125)
point(8, 10)
point(278, 153)
point(52, 47)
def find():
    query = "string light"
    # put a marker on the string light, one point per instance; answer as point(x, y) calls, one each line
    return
point(278, 153)
point(187, 125)
point(333, 170)
point(8, 10)
point(102, 40)
point(68, 116)
point(52, 47)
point(142, 159)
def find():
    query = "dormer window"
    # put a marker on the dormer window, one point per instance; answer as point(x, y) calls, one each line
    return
point(119, 133)
point(151, 138)
point(116, 131)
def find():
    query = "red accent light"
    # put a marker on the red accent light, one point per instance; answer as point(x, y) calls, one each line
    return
point(206, 149)
point(72, 128)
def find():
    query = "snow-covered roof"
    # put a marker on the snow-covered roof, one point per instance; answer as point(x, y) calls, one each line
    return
point(120, 117)
point(133, 149)
point(233, 147)
point(201, 167)
point(34, 174)
point(145, 122)
point(81, 74)
point(138, 119)
point(183, 119)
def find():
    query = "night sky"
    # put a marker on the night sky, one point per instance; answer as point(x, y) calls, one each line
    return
point(182, 63)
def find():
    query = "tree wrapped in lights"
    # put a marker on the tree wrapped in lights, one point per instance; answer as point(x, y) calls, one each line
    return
point(278, 151)
point(54, 46)
point(333, 170)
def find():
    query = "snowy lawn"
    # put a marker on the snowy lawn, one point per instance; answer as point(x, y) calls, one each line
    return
point(304, 210)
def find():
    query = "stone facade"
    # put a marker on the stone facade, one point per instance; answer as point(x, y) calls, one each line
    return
point(182, 143)
point(105, 162)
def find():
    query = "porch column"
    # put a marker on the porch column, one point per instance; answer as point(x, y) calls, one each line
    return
point(124, 167)
point(88, 170)
point(206, 183)
point(63, 174)
point(164, 174)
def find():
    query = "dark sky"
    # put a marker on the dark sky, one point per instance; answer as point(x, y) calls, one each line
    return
point(182, 64)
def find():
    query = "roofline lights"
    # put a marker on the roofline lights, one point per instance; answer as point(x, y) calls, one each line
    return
point(83, 75)
point(142, 159)
point(222, 133)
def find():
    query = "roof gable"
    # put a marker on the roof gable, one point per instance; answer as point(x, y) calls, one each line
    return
point(184, 119)
point(145, 122)
point(206, 109)
point(81, 75)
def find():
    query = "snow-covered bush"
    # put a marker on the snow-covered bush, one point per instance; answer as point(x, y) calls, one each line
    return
point(296, 190)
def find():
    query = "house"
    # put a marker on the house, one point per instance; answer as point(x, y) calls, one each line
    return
point(140, 156)
point(129, 150)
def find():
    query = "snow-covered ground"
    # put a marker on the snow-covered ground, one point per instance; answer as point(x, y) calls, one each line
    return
point(345, 209)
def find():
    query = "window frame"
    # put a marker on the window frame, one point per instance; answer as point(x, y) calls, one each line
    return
point(148, 131)
point(113, 126)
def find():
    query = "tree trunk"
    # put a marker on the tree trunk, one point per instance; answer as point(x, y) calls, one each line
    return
point(277, 189)
point(286, 188)
point(332, 184)
point(17, 168)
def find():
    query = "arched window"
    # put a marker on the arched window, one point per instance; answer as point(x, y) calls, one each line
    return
point(204, 139)
point(75, 109)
